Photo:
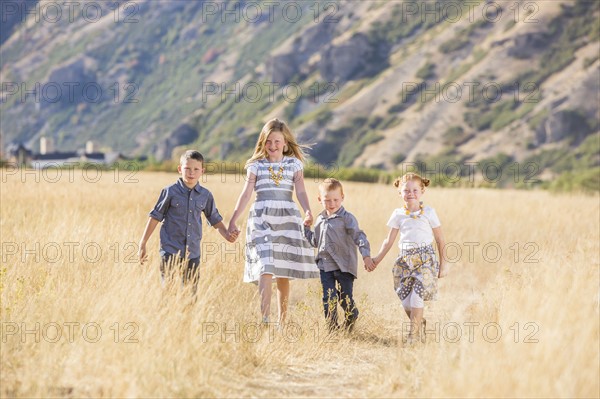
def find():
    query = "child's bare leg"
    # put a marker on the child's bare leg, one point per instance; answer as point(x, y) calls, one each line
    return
point(266, 290)
point(413, 306)
point(283, 296)
point(416, 318)
point(406, 305)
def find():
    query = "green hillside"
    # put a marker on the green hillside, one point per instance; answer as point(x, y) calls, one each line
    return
point(370, 84)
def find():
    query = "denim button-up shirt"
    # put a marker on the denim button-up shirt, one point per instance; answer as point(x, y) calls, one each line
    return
point(338, 236)
point(180, 209)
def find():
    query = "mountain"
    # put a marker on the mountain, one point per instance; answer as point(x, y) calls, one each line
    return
point(369, 83)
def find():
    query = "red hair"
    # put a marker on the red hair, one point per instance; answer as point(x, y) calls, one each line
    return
point(414, 177)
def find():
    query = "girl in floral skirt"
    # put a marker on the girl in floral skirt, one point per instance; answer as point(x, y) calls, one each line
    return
point(416, 269)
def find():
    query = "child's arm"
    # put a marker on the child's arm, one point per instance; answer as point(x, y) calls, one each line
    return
point(310, 235)
point(302, 197)
point(386, 246)
point(216, 220)
point(242, 201)
point(150, 226)
point(360, 239)
point(441, 244)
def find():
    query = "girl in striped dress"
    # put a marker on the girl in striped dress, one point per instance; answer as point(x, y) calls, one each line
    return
point(276, 249)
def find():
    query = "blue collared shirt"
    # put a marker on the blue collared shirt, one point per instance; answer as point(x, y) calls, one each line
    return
point(180, 209)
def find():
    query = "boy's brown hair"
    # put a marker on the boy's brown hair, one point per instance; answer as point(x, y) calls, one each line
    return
point(191, 154)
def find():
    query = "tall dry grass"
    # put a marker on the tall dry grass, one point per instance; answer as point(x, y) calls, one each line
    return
point(68, 257)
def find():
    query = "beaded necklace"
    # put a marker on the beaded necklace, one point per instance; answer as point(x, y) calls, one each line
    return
point(408, 213)
point(276, 177)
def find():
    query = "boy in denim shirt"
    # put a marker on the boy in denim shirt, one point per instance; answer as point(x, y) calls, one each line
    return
point(336, 236)
point(180, 207)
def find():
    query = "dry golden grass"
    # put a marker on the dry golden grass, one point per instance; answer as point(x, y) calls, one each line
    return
point(154, 342)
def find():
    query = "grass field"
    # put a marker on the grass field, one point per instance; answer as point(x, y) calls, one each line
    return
point(517, 317)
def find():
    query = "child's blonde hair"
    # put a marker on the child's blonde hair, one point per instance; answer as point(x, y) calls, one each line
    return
point(330, 184)
point(411, 176)
point(275, 125)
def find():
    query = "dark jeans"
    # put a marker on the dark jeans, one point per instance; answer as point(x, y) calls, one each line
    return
point(170, 266)
point(341, 293)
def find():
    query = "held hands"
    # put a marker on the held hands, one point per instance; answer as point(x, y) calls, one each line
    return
point(232, 236)
point(370, 265)
point(232, 232)
point(308, 219)
point(226, 233)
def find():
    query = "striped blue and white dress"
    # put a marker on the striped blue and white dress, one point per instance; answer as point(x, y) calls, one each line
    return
point(275, 243)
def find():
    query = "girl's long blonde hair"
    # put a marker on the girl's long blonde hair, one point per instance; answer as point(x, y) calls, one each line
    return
point(293, 148)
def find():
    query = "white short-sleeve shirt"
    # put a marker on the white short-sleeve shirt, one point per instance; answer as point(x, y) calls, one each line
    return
point(414, 232)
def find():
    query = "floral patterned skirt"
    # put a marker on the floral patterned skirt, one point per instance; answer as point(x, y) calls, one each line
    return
point(417, 269)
